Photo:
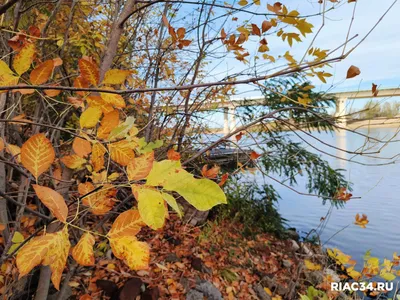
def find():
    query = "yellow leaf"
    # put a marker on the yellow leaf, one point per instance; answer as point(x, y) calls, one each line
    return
point(50, 249)
point(172, 202)
point(83, 251)
point(81, 146)
point(203, 194)
point(139, 167)
point(15, 151)
point(116, 76)
point(73, 161)
point(37, 154)
point(97, 158)
point(121, 152)
point(8, 80)
point(53, 201)
point(113, 99)
point(23, 60)
point(128, 223)
point(311, 266)
point(4, 69)
point(151, 206)
point(242, 2)
point(90, 117)
point(42, 73)
point(361, 221)
point(89, 71)
point(16, 240)
point(257, 2)
point(94, 101)
point(136, 254)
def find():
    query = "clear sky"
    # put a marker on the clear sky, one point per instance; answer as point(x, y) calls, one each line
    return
point(378, 57)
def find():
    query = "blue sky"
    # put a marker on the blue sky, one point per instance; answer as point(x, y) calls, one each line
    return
point(378, 57)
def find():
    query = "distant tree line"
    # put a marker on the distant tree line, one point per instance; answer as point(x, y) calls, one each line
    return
point(375, 109)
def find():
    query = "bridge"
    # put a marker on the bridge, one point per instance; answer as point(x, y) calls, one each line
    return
point(230, 106)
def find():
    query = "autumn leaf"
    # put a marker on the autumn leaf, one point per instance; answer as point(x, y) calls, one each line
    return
point(89, 71)
point(116, 76)
point(276, 8)
point(224, 178)
point(139, 167)
point(353, 71)
point(210, 173)
point(255, 30)
point(266, 25)
point(311, 266)
point(172, 202)
point(121, 152)
point(2, 145)
point(81, 146)
point(128, 223)
point(151, 206)
point(90, 117)
point(81, 82)
point(53, 201)
point(97, 101)
point(108, 123)
point(37, 154)
point(374, 90)
point(15, 151)
point(113, 99)
point(343, 194)
point(100, 201)
point(239, 136)
point(83, 251)
point(254, 155)
point(42, 72)
point(136, 254)
point(50, 249)
point(23, 60)
point(73, 161)
point(361, 221)
point(173, 155)
point(203, 194)
point(97, 158)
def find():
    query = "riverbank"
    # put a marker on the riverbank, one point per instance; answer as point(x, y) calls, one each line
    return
point(374, 123)
point(214, 261)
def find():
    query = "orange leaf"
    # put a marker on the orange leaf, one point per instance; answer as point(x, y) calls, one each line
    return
point(108, 123)
point(23, 91)
point(37, 154)
point(52, 93)
point(34, 31)
point(42, 72)
point(128, 223)
point(97, 101)
point(224, 178)
point(181, 33)
point(254, 155)
point(57, 62)
point(83, 251)
point(50, 249)
point(266, 25)
point(23, 60)
point(53, 201)
point(361, 221)
point(81, 147)
point(173, 155)
point(97, 158)
point(353, 71)
point(76, 102)
point(121, 152)
point(374, 90)
point(255, 30)
point(238, 137)
point(2, 145)
point(81, 82)
point(73, 161)
point(139, 167)
point(210, 173)
point(89, 71)
point(100, 201)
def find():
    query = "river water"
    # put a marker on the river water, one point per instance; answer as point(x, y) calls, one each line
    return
point(378, 186)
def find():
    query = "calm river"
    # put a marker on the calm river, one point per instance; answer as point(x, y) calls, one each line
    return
point(378, 187)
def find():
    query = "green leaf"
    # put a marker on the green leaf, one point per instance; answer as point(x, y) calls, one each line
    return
point(148, 147)
point(122, 130)
point(160, 170)
point(17, 239)
point(387, 275)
